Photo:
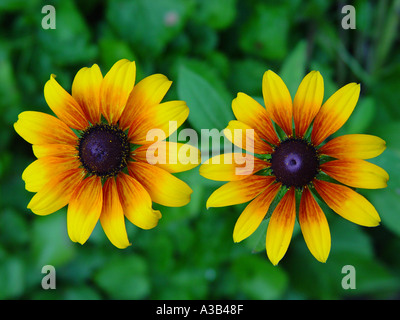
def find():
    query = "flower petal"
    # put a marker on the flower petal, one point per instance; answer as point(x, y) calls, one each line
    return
point(64, 105)
point(360, 146)
point(348, 203)
point(84, 209)
point(280, 227)
point(147, 93)
point(335, 112)
point(163, 119)
point(162, 186)
point(254, 213)
point(86, 91)
point(307, 101)
point(245, 137)
point(356, 173)
point(136, 202)
point(314, 226)
point(250, 112)
point(54, 150)
point(112, 216)
point(170, 156)
point(278, 101)
point(42, 128)
point(116, 88)
point(56, 193)
point(41, 171)
point(231, 166)
point(240, 191)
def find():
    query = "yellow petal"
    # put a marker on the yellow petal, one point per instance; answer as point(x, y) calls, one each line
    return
point(112, 216)
point(245, 137)
point(41, 171)
point(166, 117)
point(42, 128)
point(254, 213)
point(360, 146)
point(231, 166)
point(136, 202)
point(240, 191)
point(162, 186)
point(116, 88)
point(84, 209)
point(54, 150)
point(307, 102)
point(348, 203)
point(170, 156)
point(278, 101)
point(147, 93)
point(314, 226)
point(250, 112)
point(356, 173)
point(335, 112)
point(64, 105)
point(86, 91)
point(56, 193)
point(280, 227)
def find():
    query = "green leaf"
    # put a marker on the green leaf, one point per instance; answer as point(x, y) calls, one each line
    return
point(257, 278)
point(362, 116)
point(246, 76)
point(12, 278)
point(352, 246)
point(15, 5)
point(216, 14)
point(203, 38)
point(372, 277)
point(265, 34)
point(209, 70)
point(124, 277)
point(294, 67)
point(385, 91)
point(112, 50)
point(81, 292)
point(186, 284)
point(51, 244)
point(208, 109)
point(387, 36)
point(349, 238)
point(365, 15)
point(69, 42)
point(389, 132)
point(13, 228)
point(148, 25)
point(387, 200)
point(11, 96)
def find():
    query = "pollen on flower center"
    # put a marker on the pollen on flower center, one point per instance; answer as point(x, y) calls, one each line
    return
point(103, 150)
point(295, 162)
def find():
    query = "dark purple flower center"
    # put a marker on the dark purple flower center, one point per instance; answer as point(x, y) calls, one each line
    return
point(103, 150)
point(295, 162)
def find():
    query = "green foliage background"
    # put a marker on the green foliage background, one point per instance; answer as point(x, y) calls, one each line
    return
point(211, 50)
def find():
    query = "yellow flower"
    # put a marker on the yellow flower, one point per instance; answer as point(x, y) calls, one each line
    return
point(298, 163)
point(92, 155)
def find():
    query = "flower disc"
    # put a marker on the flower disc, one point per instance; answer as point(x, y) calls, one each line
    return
point(104, 150)
point(295, 162)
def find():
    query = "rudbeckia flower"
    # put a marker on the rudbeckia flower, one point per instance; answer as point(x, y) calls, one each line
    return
point(296, 164)
point(92, 155)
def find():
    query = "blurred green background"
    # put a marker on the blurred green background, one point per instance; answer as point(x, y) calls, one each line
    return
point(211, 50)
